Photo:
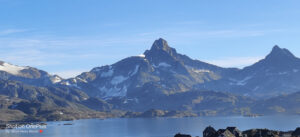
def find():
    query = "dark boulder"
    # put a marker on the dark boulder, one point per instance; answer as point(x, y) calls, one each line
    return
point(182, 135)
point(296, 133)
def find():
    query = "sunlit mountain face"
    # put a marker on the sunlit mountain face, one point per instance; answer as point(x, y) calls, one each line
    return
point(161, 70)
point(159, 79)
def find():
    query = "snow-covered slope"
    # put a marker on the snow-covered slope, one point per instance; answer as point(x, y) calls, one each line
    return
point(27, 75)
point(12, 69)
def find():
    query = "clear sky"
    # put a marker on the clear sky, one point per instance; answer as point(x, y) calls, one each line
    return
point(67, 37)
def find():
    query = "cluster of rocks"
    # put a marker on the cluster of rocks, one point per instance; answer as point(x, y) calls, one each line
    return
point(235, 132)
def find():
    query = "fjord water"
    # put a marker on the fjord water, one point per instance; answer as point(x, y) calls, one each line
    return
point(156, 127)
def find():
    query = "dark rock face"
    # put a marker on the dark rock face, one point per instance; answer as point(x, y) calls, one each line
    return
point(229, 132)
point(209, 132)
point(182, 135)
point(261, 133)
point(296, 133)
point(234, 132)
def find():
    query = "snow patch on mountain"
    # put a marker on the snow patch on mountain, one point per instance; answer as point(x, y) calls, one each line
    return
point(243, 81)
point(56, 79)
point(283, 73)
point(74, 80)
point(201, 70)
point(198, 70)
point(67, 83)
point(118, 79)
point(109, 73)
point(12, 69)
point(141, 55)
point(240, 82)
point(162, 64)
point(295, 70)
point(114, 91)
point(256, 88)
point(72, 84)
point(130, 100)
point(80, 79)
point(135, 70)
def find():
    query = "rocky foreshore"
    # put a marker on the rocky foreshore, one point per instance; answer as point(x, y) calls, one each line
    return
point(235, 132)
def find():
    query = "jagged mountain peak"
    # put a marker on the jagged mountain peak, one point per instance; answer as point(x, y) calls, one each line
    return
point(278, 59)
point(160, 46)
point(278, 53)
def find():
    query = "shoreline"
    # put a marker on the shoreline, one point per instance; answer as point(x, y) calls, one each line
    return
point(98, 118)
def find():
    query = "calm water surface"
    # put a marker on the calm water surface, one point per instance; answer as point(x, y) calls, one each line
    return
point(154, 127)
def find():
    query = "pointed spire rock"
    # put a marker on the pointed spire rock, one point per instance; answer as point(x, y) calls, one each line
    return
point(161, 52)
point(276, 47)
point(160, 44)
point(280, 53)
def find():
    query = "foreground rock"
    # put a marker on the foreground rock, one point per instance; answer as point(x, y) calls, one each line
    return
point(182, 135)
point(235, 132)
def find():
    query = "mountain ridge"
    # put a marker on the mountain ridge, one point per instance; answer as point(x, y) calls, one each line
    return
point(140, 83)
point(162, 62)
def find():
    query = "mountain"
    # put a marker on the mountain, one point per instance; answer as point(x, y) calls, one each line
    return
point(29, 102)
point(27, 75)
point(29, 94)
point(283, 104)
point(278, 73)
point(160, 79)
point(161, 73)
point(160, 70)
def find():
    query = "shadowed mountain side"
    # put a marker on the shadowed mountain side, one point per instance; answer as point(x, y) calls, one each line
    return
point(30, 103)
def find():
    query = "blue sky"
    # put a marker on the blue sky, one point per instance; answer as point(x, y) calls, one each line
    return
point(67, 37)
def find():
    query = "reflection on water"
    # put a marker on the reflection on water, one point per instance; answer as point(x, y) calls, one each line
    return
point(155, 127)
